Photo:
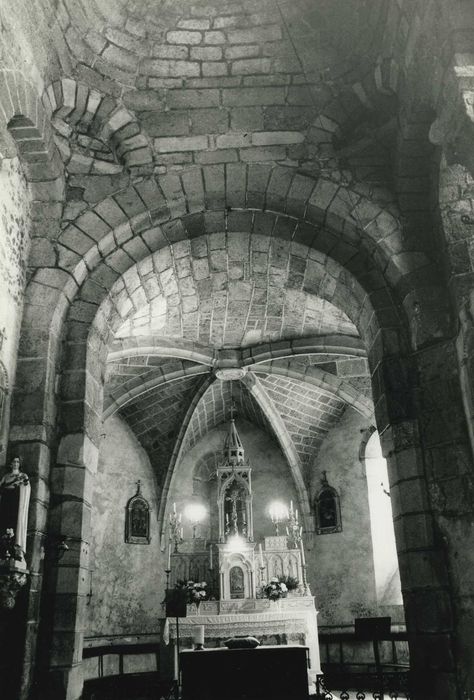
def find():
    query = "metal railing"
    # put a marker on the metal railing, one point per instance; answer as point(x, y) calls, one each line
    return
point(360, 686)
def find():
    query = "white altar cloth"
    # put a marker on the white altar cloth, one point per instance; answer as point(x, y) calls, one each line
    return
point(277, 621)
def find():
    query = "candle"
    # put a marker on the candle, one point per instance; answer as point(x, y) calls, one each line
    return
point(303, 560)
point(210, 557)
point(168, 566)
point(198, 635)
point(296, 515)
point(261, 555)
point(174, 507)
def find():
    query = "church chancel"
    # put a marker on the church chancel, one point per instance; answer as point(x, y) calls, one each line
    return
point(253, 586)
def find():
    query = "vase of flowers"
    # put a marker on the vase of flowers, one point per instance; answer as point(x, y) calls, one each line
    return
point(275, 590)
point(196, 591)
point(292, 584)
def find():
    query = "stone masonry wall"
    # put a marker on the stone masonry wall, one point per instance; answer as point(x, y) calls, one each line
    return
point(14, 244)
point(340, 567)
point(127, 580)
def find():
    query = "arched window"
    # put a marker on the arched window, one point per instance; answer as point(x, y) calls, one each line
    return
point(387, 577)
point(328, 509)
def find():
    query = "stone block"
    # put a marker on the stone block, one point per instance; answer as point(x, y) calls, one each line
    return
point(125, 60)
point(172, 123)
point(154, 238)
point(255, 35)
point(253, 96)
point(184, 37)
point(205, 121)
point(265, 80)
point(236, 52)
point(136, 248)
point(233, 140)
point(143, 100)
point(193, 99)
point(256, 154)
point(219, 82)
point(206, 53)
point(168, 68)
point(92, 225)
point(125, 41)
point(228, 21)
point(214, 69)
point(270, 138)
point(175, 52)
point(181, 143)
point(247, 118)
point(214, 37)
point(250, 66)
point(200, 24)
point(193, 187)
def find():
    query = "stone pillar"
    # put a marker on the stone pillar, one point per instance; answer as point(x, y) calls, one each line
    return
point(66, 580)
point(430, 470)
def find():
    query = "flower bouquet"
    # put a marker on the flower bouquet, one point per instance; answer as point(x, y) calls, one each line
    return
point(275, 590)
point(290, 582)
point(8, 548)
point(196, 591)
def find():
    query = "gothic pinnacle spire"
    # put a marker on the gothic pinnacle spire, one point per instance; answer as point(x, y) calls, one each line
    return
point(233, 449)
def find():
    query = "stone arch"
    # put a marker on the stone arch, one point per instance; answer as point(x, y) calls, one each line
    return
point(102, 117)
point(82, 288)
point(302, 206)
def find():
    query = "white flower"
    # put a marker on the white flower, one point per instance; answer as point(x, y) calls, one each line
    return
point(283, 587)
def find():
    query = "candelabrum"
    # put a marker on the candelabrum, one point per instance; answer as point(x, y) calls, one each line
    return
point(175, 528)
point(294, 530)
point(278, 513)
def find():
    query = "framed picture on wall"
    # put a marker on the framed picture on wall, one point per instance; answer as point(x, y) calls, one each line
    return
point(137, 519)
point(327, 509)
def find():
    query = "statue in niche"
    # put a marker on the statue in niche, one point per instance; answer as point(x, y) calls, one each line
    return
point(137, 522)
point(15, 492)
point(235, 512)
point(328, 509)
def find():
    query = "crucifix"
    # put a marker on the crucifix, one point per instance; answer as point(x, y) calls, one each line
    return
point(233, 498)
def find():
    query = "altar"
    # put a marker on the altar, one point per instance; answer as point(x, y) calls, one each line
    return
point(291, 620)
point(251, 587)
